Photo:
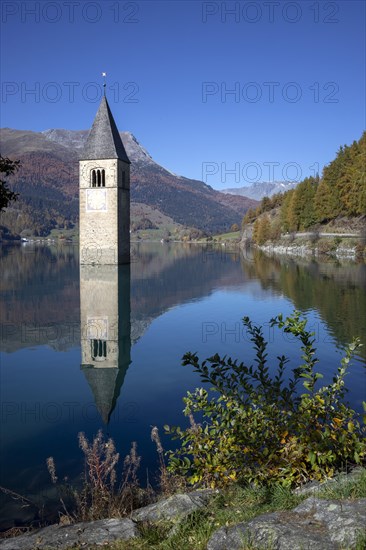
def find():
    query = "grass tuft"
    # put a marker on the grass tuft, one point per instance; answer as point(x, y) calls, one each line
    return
point(343, 488)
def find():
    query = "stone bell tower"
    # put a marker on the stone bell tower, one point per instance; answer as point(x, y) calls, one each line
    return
point(104, 194)
point(105, 317)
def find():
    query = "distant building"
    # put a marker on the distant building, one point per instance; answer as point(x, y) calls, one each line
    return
point(104, 194)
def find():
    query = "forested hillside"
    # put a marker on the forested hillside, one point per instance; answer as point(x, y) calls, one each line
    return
point(48, 187)
point(340, 191)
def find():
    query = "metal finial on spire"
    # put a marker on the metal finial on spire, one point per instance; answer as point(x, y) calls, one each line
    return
point(104, 75)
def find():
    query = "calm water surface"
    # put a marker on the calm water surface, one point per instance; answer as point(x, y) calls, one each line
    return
point(60, 322)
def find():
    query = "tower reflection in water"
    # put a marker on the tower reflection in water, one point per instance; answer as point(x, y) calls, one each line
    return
point(105, 316)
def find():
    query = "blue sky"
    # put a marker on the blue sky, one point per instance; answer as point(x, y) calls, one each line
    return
point(296, 72)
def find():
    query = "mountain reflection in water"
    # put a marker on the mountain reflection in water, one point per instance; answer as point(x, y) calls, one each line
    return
point(89, 347)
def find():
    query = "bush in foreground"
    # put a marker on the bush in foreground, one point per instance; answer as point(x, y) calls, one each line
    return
point(260, 428)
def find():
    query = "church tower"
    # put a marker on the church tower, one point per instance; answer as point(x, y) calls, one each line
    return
point(105, 317)
point(104, 194)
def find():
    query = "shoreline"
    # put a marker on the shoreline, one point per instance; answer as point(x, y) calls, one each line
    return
point(337, 248)
point(306, 251)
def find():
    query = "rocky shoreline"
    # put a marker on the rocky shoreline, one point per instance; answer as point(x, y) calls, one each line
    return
point(316, 523)
point(306, 250)
point(311, 245)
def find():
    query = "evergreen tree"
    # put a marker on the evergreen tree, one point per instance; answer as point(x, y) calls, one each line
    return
point(304, 203)
point(284, 213)
point(293, 212)
point(249, 216)
point(325, 202)
point(7, 167)
point(352, 184)
point(264, 230)
point(340, 191)
point(255, 231)
point(266, 204)
point(332, 176)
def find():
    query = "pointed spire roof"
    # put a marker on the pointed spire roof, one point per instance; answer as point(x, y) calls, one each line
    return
point(105, 383)
point(104, 141)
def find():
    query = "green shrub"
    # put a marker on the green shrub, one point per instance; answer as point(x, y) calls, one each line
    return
point(262, 429)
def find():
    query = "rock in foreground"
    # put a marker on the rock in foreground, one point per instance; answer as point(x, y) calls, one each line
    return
point(176, 506)
point(101, 532)
point(315, 524)
point(83, 534)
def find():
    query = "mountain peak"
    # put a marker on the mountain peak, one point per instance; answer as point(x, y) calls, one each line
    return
point(187, 202)
point(260, 189)
point(134, 149)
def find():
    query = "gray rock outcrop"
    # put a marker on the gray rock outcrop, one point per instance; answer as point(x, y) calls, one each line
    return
point(86, 534)
point(176, 506)
point(65, 536)
point(315, 524)
point(313, 487)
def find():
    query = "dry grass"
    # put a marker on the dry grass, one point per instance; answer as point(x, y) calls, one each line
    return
point(104, 492)
point(168, 483)
point(101, 495)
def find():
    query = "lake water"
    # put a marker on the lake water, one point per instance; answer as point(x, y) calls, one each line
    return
point(59, 321)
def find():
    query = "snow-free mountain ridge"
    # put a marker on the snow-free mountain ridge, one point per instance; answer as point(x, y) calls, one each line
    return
point(48, 186)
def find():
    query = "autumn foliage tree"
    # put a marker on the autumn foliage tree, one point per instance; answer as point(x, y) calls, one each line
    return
point(341, 191)
point(262, 230)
